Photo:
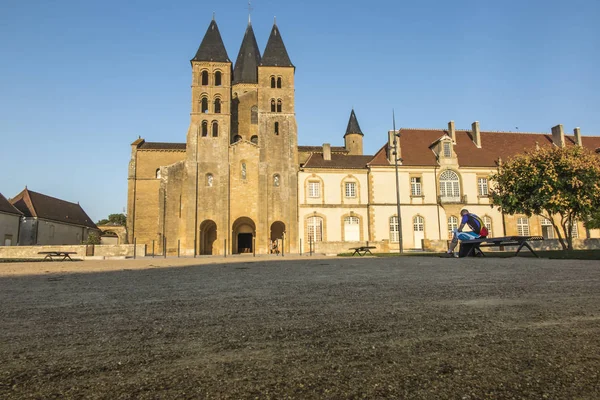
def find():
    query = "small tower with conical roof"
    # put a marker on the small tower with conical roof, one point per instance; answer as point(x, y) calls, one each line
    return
point(353, 139)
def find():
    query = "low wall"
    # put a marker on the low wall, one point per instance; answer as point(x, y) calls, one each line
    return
point(122, 250)
point(547, 244)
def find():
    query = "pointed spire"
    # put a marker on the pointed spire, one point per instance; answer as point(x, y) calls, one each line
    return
point(212, 47)
point(248, 59)
point(353, 126)
point(275, 53)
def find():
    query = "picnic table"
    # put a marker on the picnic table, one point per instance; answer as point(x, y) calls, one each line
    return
point(473, 247)
point(362, 249)
point(51, 255)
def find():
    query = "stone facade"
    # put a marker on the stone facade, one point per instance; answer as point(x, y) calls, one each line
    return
point(241, 180)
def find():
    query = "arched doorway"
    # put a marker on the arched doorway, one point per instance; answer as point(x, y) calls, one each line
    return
point(208, 236)
point(242, 239)
point(277, 230)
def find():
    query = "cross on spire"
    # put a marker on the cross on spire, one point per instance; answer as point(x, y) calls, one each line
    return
point(249, 10)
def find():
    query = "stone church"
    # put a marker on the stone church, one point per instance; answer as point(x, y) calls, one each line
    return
point(233, 183)
point(241, 181)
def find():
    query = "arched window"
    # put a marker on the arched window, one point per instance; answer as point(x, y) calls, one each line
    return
point(204, 78)
point(276, 180)
point(394, 232)
point(218, 78)
point(351, 229)
point(272, 105)
point(277, 128)
point(452, 225)
point(314, 229)
point(244, 171)
point(158, 173)
point(487, 222)
point(237, 138)
point(215, 129)
point(279, 82)
point(204, 106)
point(204, 128)
point(273, 82)
point(254, 115)
point(449, 186)
point(279, 105)
point(254, 139)
point(523, 226)
point(209, 180)
point(217, 106)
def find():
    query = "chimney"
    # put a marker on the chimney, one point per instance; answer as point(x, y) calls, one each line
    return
point(577, 133)
point(476, 134)
point(558, 136)
point(326, 152)
point(452, 131)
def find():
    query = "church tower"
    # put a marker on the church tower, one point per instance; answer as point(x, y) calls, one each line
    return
point(353, 139)
point(279, 141)
point(207, 145)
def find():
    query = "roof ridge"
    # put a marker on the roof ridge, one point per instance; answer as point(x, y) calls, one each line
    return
point(52, 197)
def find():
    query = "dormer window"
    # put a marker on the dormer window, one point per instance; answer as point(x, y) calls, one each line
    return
point(447, 149)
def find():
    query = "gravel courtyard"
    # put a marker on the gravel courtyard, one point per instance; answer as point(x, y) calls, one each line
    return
point(359, 328)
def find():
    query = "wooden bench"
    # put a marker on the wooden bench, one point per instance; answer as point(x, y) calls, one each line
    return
point(473, 247)
point(362, 249)
point(52, 255)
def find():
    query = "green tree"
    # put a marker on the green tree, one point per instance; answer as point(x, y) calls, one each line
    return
point(559, 184)
point(93, 238)
point(114, 219)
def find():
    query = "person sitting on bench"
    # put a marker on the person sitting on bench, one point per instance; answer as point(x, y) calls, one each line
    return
point(475, 223)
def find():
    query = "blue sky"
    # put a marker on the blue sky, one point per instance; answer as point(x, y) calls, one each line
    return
point(81, 80)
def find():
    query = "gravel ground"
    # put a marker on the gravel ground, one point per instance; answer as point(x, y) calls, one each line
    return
point(410, 328)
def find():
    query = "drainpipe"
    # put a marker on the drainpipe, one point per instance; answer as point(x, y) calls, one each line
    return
point(437, 204)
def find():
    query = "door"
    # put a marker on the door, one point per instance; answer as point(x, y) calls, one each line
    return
point(418, 231)
point(351, 229)
point(8, 240)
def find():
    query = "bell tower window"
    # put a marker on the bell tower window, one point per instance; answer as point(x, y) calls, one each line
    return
point(254, 115)
point(279, 105)
point(204, 106)
point(218, 78)
point(279, 83)
point(272, 105)
point(217, 106)
point(215, 129)
point(276, 128)
point(272, 82)
point(204, 78)
point(204, 128)
point(254, 139)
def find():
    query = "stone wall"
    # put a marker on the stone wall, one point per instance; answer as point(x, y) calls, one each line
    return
point(123, 250)
point(548, 244)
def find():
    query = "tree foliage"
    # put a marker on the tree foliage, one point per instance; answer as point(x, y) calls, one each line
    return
point(559, 184)
point(93, 238)
point(114, 219)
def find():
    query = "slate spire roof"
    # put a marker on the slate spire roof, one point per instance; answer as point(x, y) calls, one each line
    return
point(248, 59)
point(275, 54)
point(353, 126)
point(212, 47)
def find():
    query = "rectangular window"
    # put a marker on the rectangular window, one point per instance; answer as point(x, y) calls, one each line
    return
point(523, 226)
point(394, 233)
point(487, 221)
point(452, 225)
point(447, 149)
point(547, 229)
point(350, 189)
point(314, 189)
point(415, 186)
point(482, 187)
point(574, 231)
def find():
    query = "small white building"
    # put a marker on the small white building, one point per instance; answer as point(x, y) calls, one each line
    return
point(10, 219)
point(51, 221)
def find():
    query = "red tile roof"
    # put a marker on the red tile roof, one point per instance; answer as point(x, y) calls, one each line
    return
point(319, 149)
point(33, 204)
point(340, 161)
point(415, 143)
